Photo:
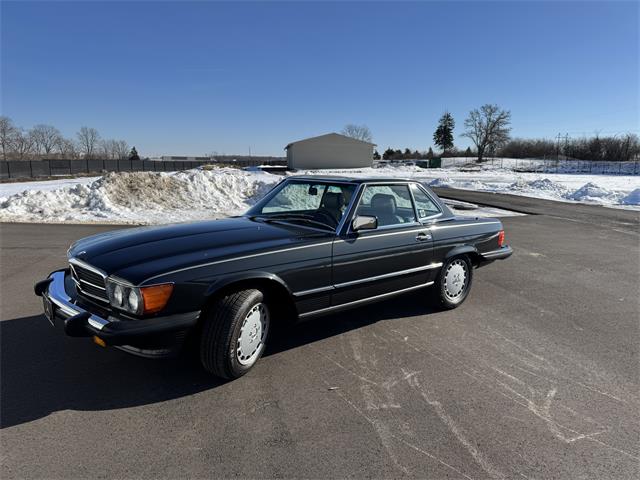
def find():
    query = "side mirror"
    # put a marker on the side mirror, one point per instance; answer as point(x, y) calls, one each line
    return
point(364, 222)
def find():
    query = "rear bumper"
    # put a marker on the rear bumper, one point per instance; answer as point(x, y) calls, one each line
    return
point(158, 336)
point(500, 254)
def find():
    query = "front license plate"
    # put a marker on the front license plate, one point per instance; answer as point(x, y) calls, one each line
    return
point(48, 310)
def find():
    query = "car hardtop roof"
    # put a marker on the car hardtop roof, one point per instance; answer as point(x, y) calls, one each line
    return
point(336, 178)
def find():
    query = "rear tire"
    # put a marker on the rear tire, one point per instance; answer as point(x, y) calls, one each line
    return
point(454, 282)
point(234, 333)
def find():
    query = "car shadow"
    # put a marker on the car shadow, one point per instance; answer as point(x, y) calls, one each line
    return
point(42, 371)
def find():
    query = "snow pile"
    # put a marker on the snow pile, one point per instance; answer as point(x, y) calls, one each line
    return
point(592, 193)
point(540, 185)
point(147, 197)
point(632, 199)
point(441, 182)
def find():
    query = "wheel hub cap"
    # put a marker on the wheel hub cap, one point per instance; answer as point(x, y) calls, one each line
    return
point(455, 279)
point(252, 334)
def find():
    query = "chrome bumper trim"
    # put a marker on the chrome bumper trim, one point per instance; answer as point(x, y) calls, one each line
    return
point(58, 296)
point(503, 252)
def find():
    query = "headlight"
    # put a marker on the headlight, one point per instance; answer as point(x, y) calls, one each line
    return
point(133, 300)
point(138, 300)
point(118, 295)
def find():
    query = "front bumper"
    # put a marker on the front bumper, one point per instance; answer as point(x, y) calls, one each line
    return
point(148, 337)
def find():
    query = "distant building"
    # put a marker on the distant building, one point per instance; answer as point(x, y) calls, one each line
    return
point(329, 151)
point(174, 158)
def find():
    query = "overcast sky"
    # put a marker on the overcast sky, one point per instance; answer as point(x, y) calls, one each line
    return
point(198, 77)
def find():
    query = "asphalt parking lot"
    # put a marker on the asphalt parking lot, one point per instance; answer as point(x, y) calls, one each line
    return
point(536, 376)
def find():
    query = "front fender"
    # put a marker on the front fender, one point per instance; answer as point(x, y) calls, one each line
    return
point(239, 277)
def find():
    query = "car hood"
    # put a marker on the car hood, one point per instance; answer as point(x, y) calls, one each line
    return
point(139, 253)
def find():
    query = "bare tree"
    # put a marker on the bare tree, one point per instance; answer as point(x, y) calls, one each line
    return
point(22, 145)
point(121, 149)
point(107, 149)
point(88, 138)
point(67, 148)
point(359, 132)
point(45, 138)
point(488, 128)
point(8, 134)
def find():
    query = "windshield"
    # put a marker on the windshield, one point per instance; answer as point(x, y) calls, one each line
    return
point(315, 204)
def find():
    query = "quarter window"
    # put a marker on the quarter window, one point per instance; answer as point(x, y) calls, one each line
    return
point(425, 206)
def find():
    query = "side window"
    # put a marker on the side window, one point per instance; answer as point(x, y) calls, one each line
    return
point(425, 206)
point(391, 204)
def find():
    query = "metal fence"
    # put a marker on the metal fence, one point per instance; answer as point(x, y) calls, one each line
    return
point(56, 167)
point(547, 166)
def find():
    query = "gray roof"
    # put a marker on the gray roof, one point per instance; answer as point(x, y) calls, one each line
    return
point(333, 134)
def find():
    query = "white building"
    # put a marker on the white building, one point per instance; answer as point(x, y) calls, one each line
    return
point(329, 151)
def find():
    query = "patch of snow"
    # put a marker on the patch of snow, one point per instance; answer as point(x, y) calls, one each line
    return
point(494, 178)
point(632, 199)
point(143, 197)
point(8, 189)
point(592, 193)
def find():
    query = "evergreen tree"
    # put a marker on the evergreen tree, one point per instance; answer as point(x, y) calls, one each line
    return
point(407, 154)
point(430, 153)
point(467, 152)
point(388, 154)
point(376, 155)
point(134, 154)
point(443, 136)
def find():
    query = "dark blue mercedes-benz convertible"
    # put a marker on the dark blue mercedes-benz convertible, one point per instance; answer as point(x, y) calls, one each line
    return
point(311, 246)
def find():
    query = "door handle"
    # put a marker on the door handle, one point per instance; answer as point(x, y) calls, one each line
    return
point(421, 237)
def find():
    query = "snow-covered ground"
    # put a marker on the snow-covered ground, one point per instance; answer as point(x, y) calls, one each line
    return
point(620, 191)
point(8, 189)
point(159, 197)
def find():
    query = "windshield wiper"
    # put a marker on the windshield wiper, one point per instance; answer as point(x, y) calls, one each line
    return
point(296, 216)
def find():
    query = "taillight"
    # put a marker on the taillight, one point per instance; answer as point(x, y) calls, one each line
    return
point(501, 238)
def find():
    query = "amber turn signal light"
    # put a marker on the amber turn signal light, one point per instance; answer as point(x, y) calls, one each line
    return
point(501, 238)
point(156, 297)
point(99, 341)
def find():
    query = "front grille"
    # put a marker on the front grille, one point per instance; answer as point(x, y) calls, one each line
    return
point(89, 282)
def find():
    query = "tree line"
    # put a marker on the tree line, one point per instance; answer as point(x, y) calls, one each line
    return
point(47, 142)
point(489, 128)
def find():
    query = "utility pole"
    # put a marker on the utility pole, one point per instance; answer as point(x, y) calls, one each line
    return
point(559, 137)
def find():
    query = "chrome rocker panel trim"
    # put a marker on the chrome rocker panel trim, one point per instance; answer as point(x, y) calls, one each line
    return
point(363, 300)
point(431, 266)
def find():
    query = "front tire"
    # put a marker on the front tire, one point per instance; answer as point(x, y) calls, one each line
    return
point(234, 333)
point(454, 282)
